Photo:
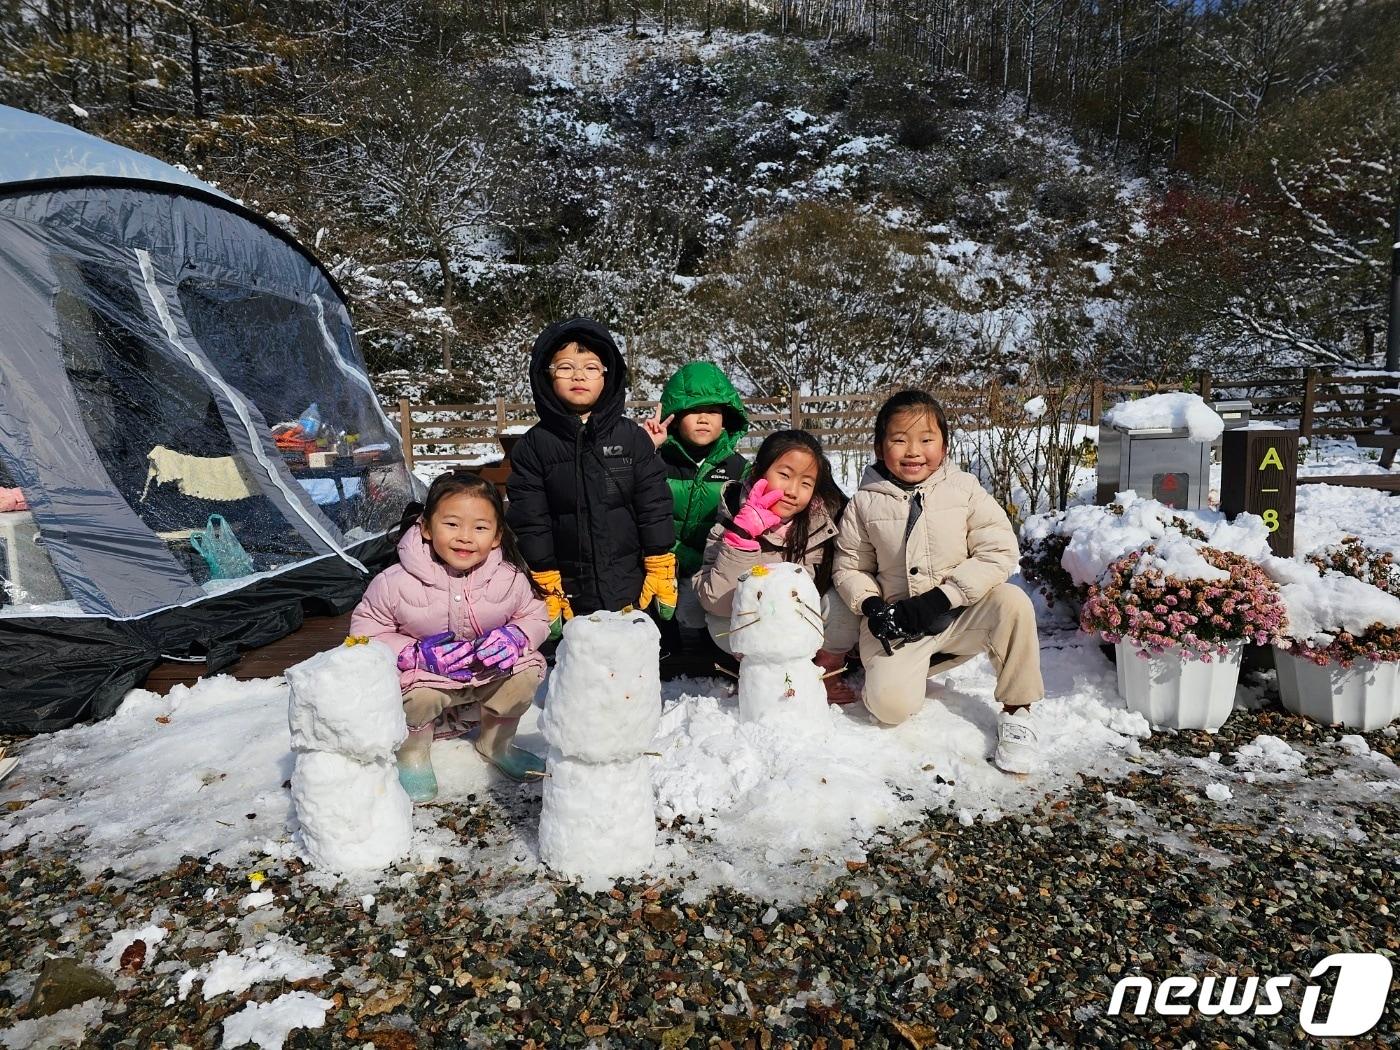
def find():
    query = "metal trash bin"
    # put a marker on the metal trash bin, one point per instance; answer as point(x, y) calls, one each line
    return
point(1162, 463)
point(1236, 415)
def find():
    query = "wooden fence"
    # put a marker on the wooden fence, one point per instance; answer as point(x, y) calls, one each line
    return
point(1321, 404)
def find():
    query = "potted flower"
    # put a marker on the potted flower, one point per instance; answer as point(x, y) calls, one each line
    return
point(1339, 655)
point(1064, 552)
point(1179, 614)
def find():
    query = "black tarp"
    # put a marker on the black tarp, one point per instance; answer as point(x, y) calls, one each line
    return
point(58, 670)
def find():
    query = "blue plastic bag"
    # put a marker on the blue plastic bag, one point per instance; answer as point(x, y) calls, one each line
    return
point(221, 551)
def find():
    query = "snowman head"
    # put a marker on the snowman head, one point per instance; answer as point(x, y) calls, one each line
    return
point(777, 614)
point(603, 699)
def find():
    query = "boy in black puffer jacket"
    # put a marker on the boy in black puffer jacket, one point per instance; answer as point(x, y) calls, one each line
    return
point(588, 496)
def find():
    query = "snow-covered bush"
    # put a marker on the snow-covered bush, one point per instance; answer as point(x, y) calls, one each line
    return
point(1334, 617)
point(1353, 558)
point(1176, 593)
point(1099, 534)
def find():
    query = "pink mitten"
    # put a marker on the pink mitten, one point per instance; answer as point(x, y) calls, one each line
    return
point(755, 517)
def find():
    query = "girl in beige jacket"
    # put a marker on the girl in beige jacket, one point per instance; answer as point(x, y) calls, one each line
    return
point(786, 511)
point(924, 553)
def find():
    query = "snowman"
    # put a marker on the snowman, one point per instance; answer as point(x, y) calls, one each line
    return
point(776, 628)
point(346, 719)
point(601, 710)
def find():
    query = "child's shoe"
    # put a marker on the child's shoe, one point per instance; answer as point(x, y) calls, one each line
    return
point(1018, 744)
point(832, 665)
point(494, 742)
point(415, 762)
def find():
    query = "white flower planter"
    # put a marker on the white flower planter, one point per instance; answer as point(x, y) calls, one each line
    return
point(1364, 696)
point(1172, 693)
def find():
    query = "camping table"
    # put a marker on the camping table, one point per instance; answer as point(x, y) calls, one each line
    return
point(338, 473)
point(343, 470)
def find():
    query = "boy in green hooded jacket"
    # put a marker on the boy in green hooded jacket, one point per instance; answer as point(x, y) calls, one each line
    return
point(696, 429)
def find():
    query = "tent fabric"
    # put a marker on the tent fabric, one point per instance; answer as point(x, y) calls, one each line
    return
point(166, 356)
point(33, 148)
point(55, 670)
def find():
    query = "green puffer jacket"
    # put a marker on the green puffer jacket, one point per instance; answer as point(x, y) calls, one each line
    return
point(695, 484)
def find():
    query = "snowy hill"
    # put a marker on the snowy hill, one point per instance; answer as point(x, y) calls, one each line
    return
point(802, 216)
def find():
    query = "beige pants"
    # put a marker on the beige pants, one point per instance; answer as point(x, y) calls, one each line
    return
point(842, 627)
point(504, 698)
point(1002, 625)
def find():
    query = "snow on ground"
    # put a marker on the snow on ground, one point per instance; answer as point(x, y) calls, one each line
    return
point(276, 959)
point(205, 771)
point(65, 1028)
point(268, 1024)
point(599, 60)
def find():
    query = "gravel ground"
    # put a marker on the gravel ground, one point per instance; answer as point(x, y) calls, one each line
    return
point(1008, 934)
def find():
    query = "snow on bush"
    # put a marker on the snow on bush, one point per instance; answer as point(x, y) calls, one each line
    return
point(1177, 411)
point(1351, 557)
point(1335, 617)
point(1176, 594)
point(1064, 552)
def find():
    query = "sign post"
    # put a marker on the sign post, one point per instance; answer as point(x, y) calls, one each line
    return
point(1259, 475)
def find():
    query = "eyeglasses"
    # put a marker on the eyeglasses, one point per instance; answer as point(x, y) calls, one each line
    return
point(567, 370)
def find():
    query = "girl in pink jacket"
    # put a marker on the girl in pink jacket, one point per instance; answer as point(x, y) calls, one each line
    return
point(466, 621)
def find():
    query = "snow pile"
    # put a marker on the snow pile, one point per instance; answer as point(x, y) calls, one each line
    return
point(196, 773)
point(1328, 512)
point(276, 959)
point(597, 820)
point(346, 721)
point(1268, 754)
point(269, 1024)
point(64, 1028)
point(776, 812)
point(776, 628)
point(1179, 411)
point(1100, 535)
point(1321, 604)
point(1217, 792)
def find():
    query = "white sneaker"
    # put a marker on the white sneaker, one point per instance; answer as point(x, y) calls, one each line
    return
point(1018, 745)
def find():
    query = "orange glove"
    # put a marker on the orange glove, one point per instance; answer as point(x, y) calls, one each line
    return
point(660, 584)
point(555, 602)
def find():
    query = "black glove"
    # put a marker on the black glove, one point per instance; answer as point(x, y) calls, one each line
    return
point(880, 617)
point(928, 614)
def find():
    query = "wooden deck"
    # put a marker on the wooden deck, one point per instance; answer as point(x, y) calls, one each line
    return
point(315, 635)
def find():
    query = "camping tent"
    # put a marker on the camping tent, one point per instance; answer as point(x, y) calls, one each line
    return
point(185, 412)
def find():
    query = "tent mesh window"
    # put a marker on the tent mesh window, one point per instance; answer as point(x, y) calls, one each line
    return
point(293, 376)
point(157, 428)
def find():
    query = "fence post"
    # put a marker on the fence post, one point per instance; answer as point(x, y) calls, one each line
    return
point(1305, 424)
point(795, 408)
point(1205, 386)
point(1096, 403)
point(406, 431)
point(500, 417)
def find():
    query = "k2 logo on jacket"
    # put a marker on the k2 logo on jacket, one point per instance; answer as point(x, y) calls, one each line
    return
point(1363, 985)
point(614, 450)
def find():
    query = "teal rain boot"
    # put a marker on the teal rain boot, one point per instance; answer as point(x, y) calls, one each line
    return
point(415, 762)
point(494, 743)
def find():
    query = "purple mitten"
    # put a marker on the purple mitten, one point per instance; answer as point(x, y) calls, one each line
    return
point(440, 654)
point(502, 648)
